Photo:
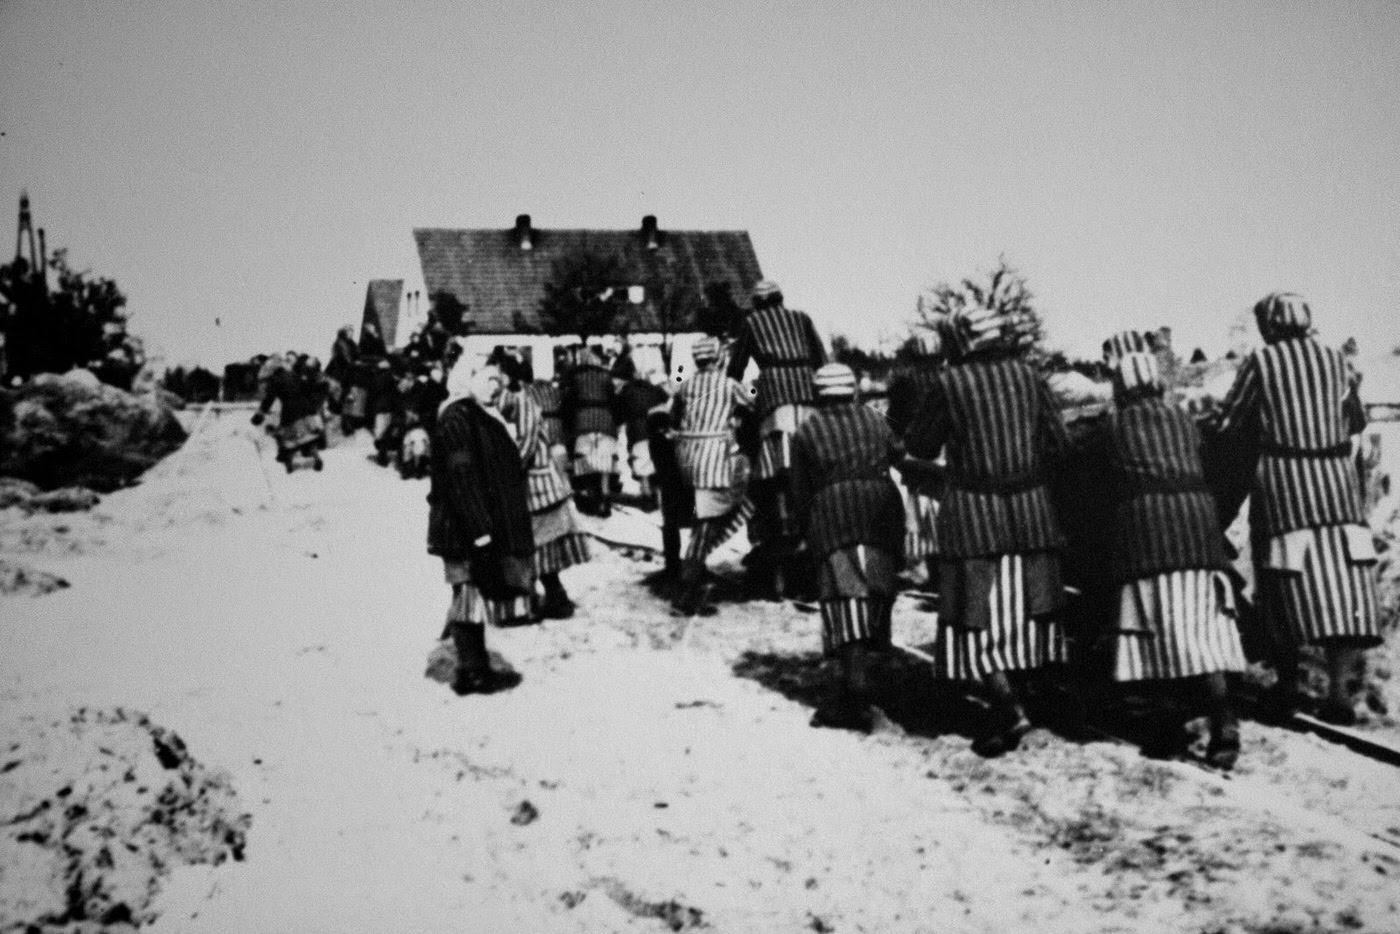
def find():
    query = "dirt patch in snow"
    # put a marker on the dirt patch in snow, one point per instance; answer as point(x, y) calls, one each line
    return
point(99, 806)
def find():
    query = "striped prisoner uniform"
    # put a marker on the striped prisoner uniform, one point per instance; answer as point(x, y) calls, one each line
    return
point(852, 516)
point(588, 400)
point(1166, 552)
point(785, 345)
point(559, 543)
point(546, 397)
point(997, 535)
point(703, 410)
point(1290, 408)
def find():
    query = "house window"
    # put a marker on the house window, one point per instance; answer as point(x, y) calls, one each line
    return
point(636, 294)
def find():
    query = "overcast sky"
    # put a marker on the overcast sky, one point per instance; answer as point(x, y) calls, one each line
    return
point(1143, 164)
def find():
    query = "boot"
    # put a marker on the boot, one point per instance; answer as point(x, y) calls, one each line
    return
point(474, 672)
point(1007, 722)
point(556, 603)
point(695, 591)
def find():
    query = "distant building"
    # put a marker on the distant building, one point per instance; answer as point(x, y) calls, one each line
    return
point(499, 275)
point(383, 300)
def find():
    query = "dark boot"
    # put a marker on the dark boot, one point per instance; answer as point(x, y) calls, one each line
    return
point(474, 672)
point(694, 591)
point(1007, 721)
point(556, 603)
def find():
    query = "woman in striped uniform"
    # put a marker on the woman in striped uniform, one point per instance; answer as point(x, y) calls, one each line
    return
point(1288, 421)
point(1174, 607)
point(479, 522)
point(852, 518)
point(704, 411)
point(785, 346)
point(559, 542)
point(922, 480)
point(587, 405)
point(998, 542)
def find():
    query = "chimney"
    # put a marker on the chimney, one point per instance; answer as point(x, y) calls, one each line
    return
point(649, 231)
point(523, 234)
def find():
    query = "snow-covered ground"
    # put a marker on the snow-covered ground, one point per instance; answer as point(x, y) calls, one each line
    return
point(645, 776)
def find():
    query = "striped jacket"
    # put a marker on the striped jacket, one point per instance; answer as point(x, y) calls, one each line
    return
point(841, 486)
point(703, 411)
point(1004, 438)
point(1163, 515)
point(547, 484)
point(588, 398)
point(785, 345)
point(478, 485)
point(1289, 408)
point(546, 397)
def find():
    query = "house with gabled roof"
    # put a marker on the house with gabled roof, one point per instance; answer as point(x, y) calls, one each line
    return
point(499, 275)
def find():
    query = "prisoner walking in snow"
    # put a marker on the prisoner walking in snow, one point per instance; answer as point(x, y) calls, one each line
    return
point(588, 402)
point(1287, 423)
point(998, 541)
point(785, 346)
point(1175, 611)
point(479, 522)
point(559, 541)
point(852, 519)
point(705, 410)
point(300, 424)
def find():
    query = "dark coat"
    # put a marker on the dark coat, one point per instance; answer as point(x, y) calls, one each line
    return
point(841, 486)
point(478, 485)
point(1004, 440)
point(636, 398)
point(299, 397)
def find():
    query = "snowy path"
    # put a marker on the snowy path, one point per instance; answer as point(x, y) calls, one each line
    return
point(280, 624)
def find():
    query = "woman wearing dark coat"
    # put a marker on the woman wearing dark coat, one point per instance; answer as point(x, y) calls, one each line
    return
point(852, 519)
point(300, 425)
point(998, 540)
point(1174, 606)
point(1286, 429)
point(479, 522)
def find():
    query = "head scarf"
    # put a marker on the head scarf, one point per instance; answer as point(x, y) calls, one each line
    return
point(1136, 374)
point(706, 350)
point(1124, 342)
point(834, 380)
point(1281, 316)
point(766, 288)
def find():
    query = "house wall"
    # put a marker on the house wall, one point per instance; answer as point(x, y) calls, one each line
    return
point(646, 349)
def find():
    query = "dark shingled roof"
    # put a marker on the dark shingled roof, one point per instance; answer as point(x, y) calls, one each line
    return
point(382, 307)
point(502, 284)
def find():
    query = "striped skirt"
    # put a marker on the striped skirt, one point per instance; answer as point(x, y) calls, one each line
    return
point(1177, 625)
point(709, 533)
point(469, 606)
point(1012, 641)
point(1319, 586)
point(594, 452)
point(559, 541)
point(856, 588)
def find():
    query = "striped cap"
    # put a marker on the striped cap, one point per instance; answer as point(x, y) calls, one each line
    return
point(1124, 342)
point(1137, 372)
point(834, 379)
point(764, 288)
point(1282, 315)
point(705, 350)
point(976, 328)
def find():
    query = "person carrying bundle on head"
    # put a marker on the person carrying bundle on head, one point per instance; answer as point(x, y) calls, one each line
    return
point(998, 541)
point(852, 518)
point(1173, 612)
point(1283, 437)
point(705, 410)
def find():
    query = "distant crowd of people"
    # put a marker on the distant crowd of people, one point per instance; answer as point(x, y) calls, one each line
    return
point(1097, 554)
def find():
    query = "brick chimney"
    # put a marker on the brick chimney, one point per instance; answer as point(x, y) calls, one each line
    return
point(523, 234)
point(649, 232)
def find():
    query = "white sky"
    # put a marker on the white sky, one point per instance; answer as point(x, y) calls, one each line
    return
point(1143, 164)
